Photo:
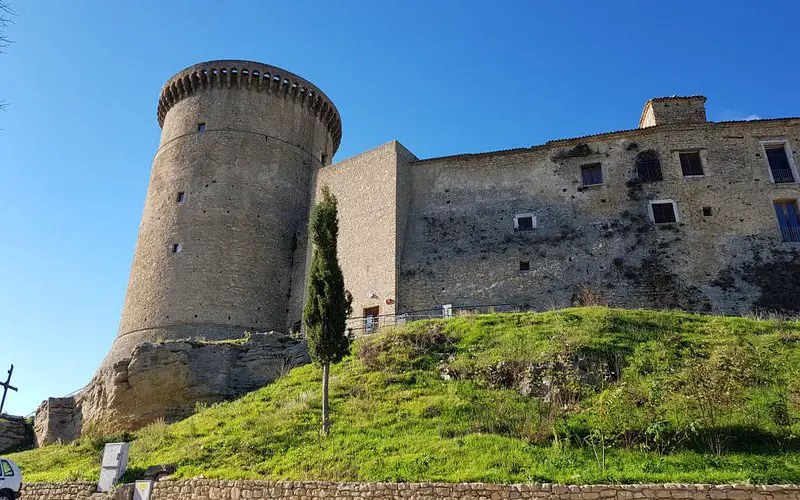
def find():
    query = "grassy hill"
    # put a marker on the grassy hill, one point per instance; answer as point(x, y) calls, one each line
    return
point(574, 396)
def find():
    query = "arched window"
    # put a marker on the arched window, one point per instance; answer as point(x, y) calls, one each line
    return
point(648, 166)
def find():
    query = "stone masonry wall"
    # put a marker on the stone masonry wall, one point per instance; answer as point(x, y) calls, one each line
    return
point(598, 243)
point(206, 489)
point(232, 490)
point(368, 188)
point(57, 491)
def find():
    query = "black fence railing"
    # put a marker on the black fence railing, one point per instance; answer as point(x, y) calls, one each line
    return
point(783, 175)
point(791, 233)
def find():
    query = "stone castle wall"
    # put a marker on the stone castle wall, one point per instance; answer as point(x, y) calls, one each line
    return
point(462, 247)
point(371, 194)
point(231, 185)
point(205, 489)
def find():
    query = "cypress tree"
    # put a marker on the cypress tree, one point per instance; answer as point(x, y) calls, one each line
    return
point(326, 310)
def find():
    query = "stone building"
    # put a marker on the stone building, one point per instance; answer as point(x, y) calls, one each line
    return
point(676, 213)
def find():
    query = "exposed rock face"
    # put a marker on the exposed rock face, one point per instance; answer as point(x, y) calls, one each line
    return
point(166, 380)
point(15, 433)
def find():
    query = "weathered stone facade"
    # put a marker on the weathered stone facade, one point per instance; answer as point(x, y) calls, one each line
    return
point(205, 489)
point(456, 241)
point(246, 147)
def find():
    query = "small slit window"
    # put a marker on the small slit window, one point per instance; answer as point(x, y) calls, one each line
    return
point(181, 197)
point(524, 265)
point(707, 212)
point(524, 222)
point(691, 164)
point(201, 126)
point(176, 248)
point(663, 211)
point(591, 174)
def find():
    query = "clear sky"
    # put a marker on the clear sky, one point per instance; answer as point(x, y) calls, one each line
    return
point(442, 77)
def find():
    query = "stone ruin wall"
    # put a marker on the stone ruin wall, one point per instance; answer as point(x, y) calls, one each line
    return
point(206, 489)
point(598, 242)
point(15, 433)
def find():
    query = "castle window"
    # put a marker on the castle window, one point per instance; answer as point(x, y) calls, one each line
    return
point(691, 164)
point(648, 166)
point(707, 212)
point(524, 265)
point(591, 174)
point(781, 170)
point(201, 126)
point(524, 222)
point(663, 211)
point(788, 219)
point(181, 197)
point(176, 247)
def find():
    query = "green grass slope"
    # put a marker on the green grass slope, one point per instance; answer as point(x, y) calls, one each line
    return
point(628, 396)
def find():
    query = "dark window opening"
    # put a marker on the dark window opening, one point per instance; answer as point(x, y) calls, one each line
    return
point(788, 219)
point(706, 211)
point(664, 212)
point(201, 126)
point(181, 196)
point(648, 167)
point(591, 174)
point(691, 164)
point(524, 265)
point(525, 223)
point(176, 247)
point(779, 164)
point(323, 158)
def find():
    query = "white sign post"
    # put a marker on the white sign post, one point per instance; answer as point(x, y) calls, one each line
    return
point(142, 490)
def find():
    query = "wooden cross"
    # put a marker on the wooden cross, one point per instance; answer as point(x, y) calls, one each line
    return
point(6, 386)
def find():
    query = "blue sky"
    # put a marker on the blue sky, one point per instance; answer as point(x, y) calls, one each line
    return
point(443, 77)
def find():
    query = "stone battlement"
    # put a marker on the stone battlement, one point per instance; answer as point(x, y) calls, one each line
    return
point(250, 75)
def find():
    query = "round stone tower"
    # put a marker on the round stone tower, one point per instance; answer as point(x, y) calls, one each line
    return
point(225, 216)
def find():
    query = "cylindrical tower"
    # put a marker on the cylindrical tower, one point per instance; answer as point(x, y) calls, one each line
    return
point(227, 203)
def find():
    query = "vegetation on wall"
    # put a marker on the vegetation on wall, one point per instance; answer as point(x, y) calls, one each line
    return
point(582, 395)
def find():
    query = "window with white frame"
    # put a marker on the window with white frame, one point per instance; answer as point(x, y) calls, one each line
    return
point(780, 162)
point(524, 222)
point(663, 211)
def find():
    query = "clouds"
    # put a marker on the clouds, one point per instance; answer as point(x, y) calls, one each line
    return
point(730, 115)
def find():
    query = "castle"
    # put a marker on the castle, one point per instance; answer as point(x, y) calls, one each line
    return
point(676, 213)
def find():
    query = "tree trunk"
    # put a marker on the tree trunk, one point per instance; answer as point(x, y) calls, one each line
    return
point(325, 410)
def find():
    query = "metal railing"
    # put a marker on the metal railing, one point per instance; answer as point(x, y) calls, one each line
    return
point(782, 175)
point(366, 325)
point(791, 233)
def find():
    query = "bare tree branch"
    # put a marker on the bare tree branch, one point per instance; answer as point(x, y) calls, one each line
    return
point(6, 13)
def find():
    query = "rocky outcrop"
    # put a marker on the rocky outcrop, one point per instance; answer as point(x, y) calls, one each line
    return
point(168, 379)
point(15, 434)
point(57, 420)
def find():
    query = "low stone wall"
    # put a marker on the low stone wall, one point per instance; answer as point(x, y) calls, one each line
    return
point(57, 491)
point(202, 489)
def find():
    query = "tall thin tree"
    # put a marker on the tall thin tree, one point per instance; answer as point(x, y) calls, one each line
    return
point(326, 310)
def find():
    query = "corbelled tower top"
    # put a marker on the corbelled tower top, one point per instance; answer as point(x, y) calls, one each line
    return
point(252, 76)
